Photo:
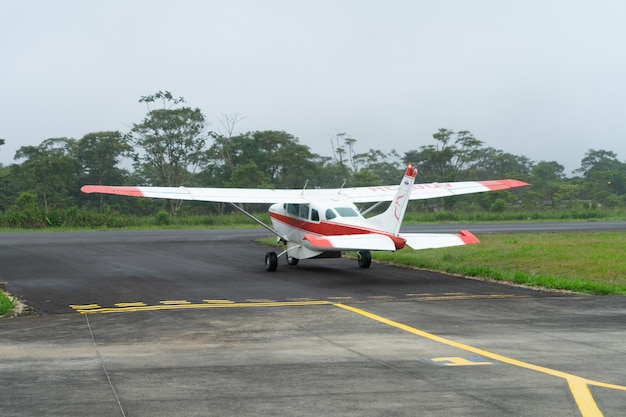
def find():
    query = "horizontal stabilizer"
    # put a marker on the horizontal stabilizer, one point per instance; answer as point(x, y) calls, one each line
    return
point(369, 241)
point(419, 241)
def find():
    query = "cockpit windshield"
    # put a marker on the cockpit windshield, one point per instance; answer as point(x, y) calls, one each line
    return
point(331, 213)
point(346, 212)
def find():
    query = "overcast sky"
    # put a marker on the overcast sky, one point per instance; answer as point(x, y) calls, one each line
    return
point(541, 78)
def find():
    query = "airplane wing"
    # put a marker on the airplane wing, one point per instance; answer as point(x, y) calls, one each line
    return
point(418, 241)
point(431, 190)
point(222, 195)
point(260, 195)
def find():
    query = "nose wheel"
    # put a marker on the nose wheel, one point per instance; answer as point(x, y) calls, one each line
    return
point(291, 260)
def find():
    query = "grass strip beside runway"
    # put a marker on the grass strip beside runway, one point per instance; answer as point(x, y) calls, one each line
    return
point(583, 262)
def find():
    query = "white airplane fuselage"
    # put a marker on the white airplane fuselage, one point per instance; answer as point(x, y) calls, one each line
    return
point(334, 216)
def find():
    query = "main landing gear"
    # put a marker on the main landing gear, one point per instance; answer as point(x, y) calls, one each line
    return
point(271, 261)
point(364, 258)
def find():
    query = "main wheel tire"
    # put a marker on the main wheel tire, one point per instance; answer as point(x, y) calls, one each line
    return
point(291, 260)
point(271, 261)
point(364, 258)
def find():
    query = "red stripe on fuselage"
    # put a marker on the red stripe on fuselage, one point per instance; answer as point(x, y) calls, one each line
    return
point(333, 229)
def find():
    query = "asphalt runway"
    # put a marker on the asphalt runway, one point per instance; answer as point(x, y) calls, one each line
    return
point(163, 323)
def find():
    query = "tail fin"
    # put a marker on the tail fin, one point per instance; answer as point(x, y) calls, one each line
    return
point(391, 220)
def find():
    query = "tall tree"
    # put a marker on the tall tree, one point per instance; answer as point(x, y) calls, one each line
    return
point(278, 158)
point(341, 155)
point(171, 139)
point(377, 167)
point(50, 170)
point(99, 153)
point(547, 178)
point(446, 160)
point(604, 174)
point(494, 163)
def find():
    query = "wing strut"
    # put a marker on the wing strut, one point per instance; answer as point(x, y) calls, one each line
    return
point(258, 221)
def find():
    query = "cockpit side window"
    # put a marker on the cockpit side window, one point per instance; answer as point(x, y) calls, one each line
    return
point(304, 211)
point(298, 210)
point(330, 214)
point(315, 216)
point(293, 209)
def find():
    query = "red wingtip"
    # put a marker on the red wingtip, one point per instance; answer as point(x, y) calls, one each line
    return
point(107, 189)
point(503, 184)
point(467, 237)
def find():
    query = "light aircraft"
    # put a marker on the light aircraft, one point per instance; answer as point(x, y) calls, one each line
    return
point(322, 223)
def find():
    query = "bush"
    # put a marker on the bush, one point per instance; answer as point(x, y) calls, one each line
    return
point(162, 218)
point(498, 206)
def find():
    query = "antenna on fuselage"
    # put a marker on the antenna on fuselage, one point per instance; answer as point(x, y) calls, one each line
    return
point(304, 188)
point(341, 188)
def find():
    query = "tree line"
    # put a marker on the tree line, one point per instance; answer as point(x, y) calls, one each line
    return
point(174, 146)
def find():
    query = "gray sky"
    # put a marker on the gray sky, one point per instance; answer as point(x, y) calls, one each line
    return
point(540, 78)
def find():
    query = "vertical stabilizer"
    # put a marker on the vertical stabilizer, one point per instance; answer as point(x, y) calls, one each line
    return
point(391, 220)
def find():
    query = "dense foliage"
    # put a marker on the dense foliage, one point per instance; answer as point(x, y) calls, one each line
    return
point(171, 146)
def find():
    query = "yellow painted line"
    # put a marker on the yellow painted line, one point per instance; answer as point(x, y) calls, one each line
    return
point(584, 400)
point(84, 306)
point(260, 300)
point(174, 302)
point(159, 307)
point(579, 387)
point(133, 304)
point(219, 301)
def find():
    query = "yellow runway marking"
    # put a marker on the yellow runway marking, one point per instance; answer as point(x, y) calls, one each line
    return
point(219, 301)
point(84, 306)
point(579, 387)
point(186, 305)
point(133, 304)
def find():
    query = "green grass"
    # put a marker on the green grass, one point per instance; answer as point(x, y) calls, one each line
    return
point(7, 304)
point(583, 262)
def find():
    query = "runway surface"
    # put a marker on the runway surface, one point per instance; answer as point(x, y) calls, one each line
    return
point(165, 323)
